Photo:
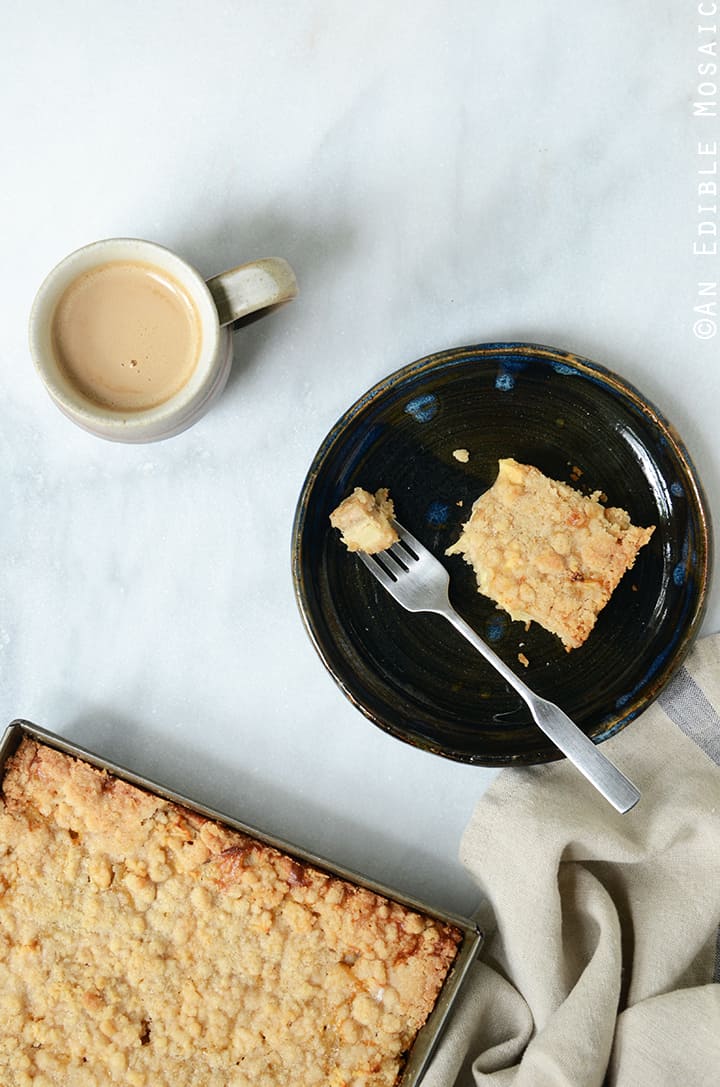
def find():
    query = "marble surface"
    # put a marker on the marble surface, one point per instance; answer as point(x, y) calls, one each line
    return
point(437, 174)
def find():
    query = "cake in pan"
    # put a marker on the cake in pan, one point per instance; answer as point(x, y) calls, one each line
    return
point(144, 944)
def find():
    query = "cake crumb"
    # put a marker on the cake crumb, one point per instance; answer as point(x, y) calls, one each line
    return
point(523, 660)
point(463, 455)
point(365, 521)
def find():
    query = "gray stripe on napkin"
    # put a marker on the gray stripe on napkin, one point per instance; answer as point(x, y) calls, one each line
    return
point(685, 703)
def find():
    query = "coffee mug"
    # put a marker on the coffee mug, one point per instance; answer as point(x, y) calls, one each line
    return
point(133, 344)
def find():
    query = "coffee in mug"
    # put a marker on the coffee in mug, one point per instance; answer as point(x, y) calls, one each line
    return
point(133, 344)
point(127, 335)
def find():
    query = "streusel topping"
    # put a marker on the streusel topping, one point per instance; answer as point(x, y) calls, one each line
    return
point(545, 552)
point(145, 945)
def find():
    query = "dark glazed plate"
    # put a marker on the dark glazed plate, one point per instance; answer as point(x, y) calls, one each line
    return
point(412, 674)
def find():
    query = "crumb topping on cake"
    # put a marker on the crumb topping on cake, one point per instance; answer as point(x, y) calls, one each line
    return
point(364, 521)
point(545, 552)
point(145, 945)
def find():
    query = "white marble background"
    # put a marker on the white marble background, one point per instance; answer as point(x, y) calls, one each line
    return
point(438, 173)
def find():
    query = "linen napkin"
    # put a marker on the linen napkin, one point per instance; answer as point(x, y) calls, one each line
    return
point(604, 962)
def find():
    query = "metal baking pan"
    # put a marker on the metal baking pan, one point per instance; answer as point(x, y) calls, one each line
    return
point(429, 1035)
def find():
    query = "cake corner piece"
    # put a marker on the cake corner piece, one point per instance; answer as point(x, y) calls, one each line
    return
point(544, 552)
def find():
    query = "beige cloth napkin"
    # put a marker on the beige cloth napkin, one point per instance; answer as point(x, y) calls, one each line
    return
point(604, 962)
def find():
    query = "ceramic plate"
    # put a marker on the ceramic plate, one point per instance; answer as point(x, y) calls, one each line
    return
point(412, 674)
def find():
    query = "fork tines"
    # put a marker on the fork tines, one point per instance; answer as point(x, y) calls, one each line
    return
point(414, 546)
point(382, 564)
point(396, 560)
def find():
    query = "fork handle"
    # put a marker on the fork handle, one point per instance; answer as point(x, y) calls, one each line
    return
point(556, 724)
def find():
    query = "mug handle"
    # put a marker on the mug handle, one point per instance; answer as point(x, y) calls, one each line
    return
point(252, 287)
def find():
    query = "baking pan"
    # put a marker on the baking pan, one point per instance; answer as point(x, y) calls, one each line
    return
point(427, 1038)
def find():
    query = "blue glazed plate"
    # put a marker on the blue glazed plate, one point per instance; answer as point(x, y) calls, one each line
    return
point(412, 674)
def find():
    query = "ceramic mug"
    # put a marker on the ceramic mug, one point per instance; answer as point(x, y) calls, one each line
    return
point(216, 303)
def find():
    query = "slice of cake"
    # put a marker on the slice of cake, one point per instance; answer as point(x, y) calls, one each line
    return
point(545, 552)
point(364, 521)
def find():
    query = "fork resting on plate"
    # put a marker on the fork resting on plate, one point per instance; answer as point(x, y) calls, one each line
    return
point(418, 581)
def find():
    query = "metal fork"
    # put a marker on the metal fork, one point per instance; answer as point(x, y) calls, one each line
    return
point(418, 581)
